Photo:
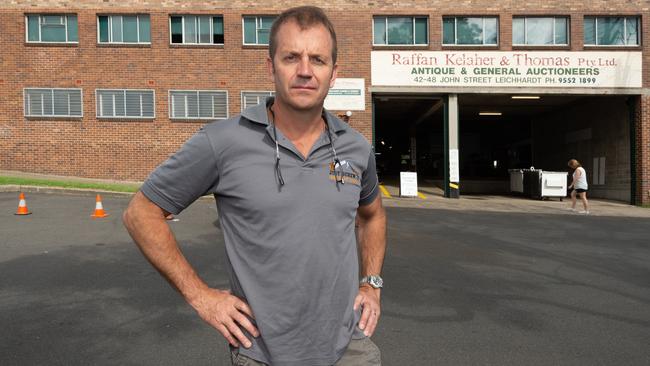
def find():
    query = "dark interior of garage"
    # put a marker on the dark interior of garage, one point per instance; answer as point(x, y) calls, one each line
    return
point(399, 120)
point(498, 132)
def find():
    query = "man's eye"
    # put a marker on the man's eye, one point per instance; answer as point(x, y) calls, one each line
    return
point(290, 58)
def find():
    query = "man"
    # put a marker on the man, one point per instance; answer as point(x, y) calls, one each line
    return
point(290, 180)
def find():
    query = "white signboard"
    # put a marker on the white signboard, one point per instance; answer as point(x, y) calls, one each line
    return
point(453, 166)
point(507, 69)
point(408, 184)
point(346, 95)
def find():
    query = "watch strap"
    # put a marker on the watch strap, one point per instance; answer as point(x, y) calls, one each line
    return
point(373, 280)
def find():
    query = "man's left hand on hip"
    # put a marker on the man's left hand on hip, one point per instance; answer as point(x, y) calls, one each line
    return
point(368, 299)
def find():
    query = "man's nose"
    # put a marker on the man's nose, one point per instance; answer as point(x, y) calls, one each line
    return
point(304, 68)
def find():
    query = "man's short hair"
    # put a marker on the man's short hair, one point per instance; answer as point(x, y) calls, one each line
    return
point(306, 17)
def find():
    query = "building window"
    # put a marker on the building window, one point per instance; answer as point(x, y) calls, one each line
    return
point(196, 29)
point(252, 98)
point(470, 31)
point(124, 29)
point(403, 31)
point(41, 102)
point(257, 29)
point(198, 104)
point(52, 28)
point(540, 31)
point(612, 31)
point(125, 103)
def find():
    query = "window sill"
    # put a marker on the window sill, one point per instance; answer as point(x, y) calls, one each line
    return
point(192, 45)
point(469, 47)
point(124, 45)
point(256, 46)
point(52, 44)
point(398, 47)
point(195, 120)
point(612, 48)
point(125, 119)
point(54, 118)
point(526, 47)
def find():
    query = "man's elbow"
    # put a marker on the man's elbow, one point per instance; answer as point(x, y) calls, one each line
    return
point(128, 216)
point(374, 212)
point(380, 214)
point(134, 211)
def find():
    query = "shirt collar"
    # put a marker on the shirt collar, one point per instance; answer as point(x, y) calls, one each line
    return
point(258, 114)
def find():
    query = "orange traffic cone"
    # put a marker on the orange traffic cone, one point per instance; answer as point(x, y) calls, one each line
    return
point(99, 208)
point(22, 206)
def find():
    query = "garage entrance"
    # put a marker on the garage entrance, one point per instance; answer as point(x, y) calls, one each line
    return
point(409, 136)
point(498, 132)
point(501, 132)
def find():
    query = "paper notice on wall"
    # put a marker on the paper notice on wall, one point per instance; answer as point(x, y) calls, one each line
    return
point(454, 176)
point(598, 171)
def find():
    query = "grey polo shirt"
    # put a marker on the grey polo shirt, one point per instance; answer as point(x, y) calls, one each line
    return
point(291, 249)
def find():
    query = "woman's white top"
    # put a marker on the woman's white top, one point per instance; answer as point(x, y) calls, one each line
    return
point(581, 181)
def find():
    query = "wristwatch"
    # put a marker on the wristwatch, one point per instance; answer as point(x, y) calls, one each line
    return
point(373, 280)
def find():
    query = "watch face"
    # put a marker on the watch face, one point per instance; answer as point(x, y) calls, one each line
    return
point(376, 281)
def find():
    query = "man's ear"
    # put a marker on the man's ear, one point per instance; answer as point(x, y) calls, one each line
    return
point(270, 69)
point(334, 75)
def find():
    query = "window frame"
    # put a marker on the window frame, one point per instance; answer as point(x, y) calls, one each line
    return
point(98, 104)
point(81, 103)
point(625, 17)
point(554, 18)
point(258, 20)
point(456, 44)
point(182, 16)
point(171, 105)
point(40, 31)
point(413, 17)
point(110, 29)
point(271, 93)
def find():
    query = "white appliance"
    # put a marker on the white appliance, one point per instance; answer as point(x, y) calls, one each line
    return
point(554, 184)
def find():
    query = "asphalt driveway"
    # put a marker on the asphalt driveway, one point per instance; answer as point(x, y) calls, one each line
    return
point(464, 286)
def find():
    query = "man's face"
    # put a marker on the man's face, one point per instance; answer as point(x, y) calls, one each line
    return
point(302, 68)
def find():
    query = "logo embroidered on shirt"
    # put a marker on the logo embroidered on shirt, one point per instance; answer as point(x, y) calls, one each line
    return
point(345, 172)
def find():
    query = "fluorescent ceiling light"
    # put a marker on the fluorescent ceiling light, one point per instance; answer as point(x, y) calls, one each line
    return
point(489, 113)
point(525, 97)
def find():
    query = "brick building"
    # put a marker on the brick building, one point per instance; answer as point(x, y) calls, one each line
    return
point(458, 91)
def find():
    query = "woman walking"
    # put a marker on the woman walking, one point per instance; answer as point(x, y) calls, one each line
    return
point(579, 186)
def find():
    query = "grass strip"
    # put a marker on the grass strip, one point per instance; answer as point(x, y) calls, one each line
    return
point(113, 187)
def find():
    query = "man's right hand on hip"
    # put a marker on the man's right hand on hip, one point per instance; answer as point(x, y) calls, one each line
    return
point(227, 313)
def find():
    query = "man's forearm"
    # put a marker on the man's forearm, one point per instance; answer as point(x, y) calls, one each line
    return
point(372, 241)
point(226, 313)
point(146, 224)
